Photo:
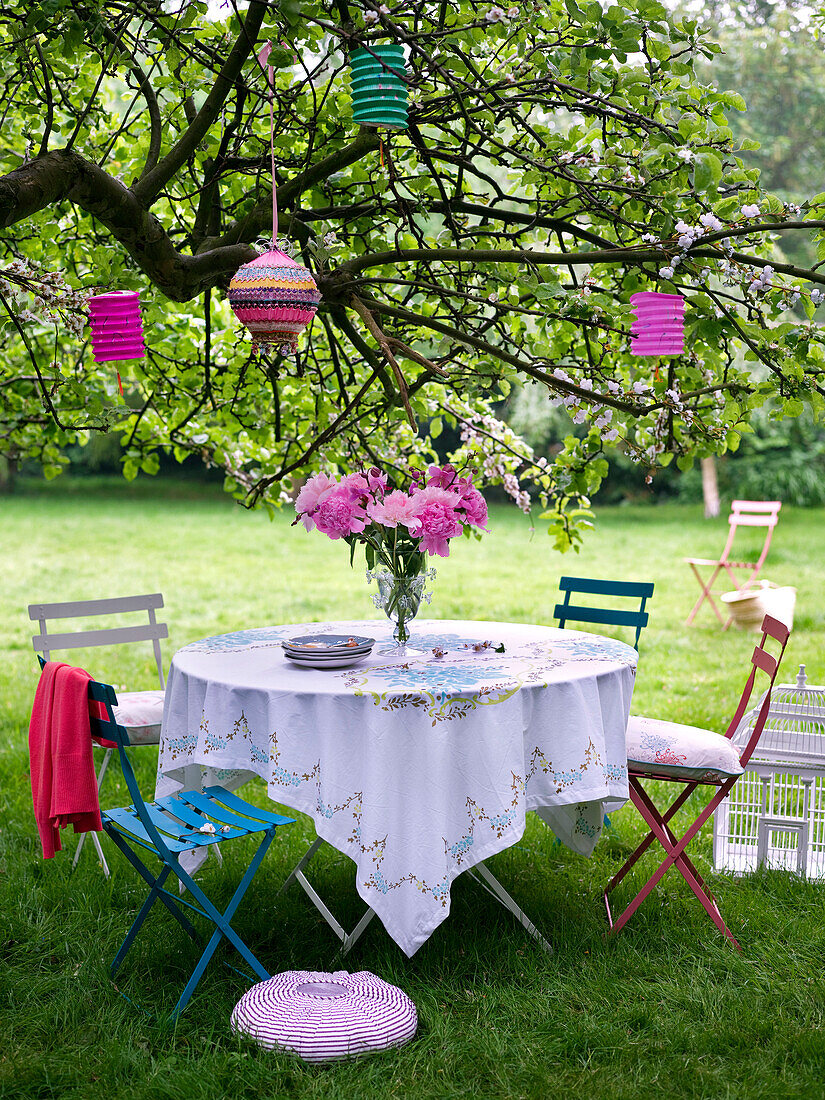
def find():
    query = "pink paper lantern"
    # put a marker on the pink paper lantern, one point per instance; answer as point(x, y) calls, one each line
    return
point(117, 329)
point(659, 327)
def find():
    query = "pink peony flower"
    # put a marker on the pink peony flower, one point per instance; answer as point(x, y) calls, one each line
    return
point(339, 514)
point(316, 490)
point(474, 507)
point(442, 477)
point(357, 484)
point(377, 481)
point(436, 508)
point(396, 507)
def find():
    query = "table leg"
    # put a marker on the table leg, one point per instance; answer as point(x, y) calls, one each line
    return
point(485, 878)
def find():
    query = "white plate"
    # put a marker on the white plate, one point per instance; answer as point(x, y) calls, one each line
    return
point(326, 662)
point(321, 654)
point(320, 643)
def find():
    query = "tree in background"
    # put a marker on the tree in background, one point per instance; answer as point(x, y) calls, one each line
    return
point(559, 157)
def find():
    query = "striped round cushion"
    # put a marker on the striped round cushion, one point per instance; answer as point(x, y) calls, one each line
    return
point(322, 1017)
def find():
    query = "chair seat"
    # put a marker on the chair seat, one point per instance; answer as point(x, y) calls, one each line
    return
point(141, 712)
point(194, 819)
point(656, 747)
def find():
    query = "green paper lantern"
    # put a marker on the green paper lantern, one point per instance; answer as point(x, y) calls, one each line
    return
point(379, 90)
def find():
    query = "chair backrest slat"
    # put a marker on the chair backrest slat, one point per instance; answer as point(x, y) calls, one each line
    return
point(754, 521)
point(606, 587)
point(115, 605)
point(46, 642)
point(769, 664)
point(110, 635)
point(609, 616)
point(640, 590)
point(755, 506)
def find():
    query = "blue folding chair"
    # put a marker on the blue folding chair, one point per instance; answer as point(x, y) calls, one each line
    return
point(608, 616)
point(170, 827)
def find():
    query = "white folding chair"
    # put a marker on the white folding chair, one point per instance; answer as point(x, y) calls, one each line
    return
point(140, 712)
point(743, 513)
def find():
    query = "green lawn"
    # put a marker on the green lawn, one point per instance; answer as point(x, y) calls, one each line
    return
point(665, 1009)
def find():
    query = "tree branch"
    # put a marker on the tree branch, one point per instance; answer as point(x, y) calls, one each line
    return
point(368, 319)
point(152, 183)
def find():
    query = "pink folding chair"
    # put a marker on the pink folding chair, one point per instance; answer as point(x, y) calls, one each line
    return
point(672, 753)
point(743, 513)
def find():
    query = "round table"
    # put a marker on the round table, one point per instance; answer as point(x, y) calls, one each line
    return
point(416, 767)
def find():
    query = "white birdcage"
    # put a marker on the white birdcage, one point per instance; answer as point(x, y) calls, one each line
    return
point(775, 813)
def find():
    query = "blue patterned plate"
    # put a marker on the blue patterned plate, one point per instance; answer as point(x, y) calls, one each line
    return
point(328, 643)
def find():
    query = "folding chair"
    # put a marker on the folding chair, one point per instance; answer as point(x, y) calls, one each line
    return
point(743, 513)
point(672, 753)
point(638, 590)
point(139, 711)
point(170, 827)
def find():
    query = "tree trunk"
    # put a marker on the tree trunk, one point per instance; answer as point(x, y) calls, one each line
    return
point(710, 487)
point(8, 469)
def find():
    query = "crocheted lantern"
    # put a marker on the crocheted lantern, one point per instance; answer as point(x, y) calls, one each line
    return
point(379, 91)
point(659, 328)
point(275, 298)
point(117, 329)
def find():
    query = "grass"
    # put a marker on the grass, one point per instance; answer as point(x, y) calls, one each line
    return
point(665, 1009)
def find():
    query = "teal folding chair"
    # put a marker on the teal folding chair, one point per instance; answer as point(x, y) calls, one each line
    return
point(608, 616)
point(171, 827)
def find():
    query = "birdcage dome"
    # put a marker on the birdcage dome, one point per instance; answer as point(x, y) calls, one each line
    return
point(794, 732)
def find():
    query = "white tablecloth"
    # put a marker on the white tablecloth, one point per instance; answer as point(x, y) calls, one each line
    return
point(416, 768)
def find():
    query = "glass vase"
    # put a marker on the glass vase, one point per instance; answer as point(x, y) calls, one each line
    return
point(399, 597)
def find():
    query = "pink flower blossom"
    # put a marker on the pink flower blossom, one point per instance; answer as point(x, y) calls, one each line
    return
point(442, 477)
point(475, 508)
point(396, 507)
point(377, 480)
point(340, 515)
point(357, 484)
point(316, 490)
point(436, 508)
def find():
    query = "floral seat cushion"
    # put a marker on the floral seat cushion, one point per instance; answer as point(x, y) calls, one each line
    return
point(684, 752)
point(141, 713)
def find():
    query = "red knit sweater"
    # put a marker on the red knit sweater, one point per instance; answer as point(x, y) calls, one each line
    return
point(64, 787)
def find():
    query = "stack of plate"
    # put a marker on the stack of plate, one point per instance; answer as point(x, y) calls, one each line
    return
point(327, 650)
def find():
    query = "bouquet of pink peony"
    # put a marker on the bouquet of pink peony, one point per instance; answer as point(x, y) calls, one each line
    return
point(396, 526)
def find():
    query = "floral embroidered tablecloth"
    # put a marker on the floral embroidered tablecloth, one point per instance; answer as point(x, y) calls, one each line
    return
point(418, 767)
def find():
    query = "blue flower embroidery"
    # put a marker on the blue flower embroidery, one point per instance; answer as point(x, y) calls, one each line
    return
point(607, 649)
point(442, 677)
